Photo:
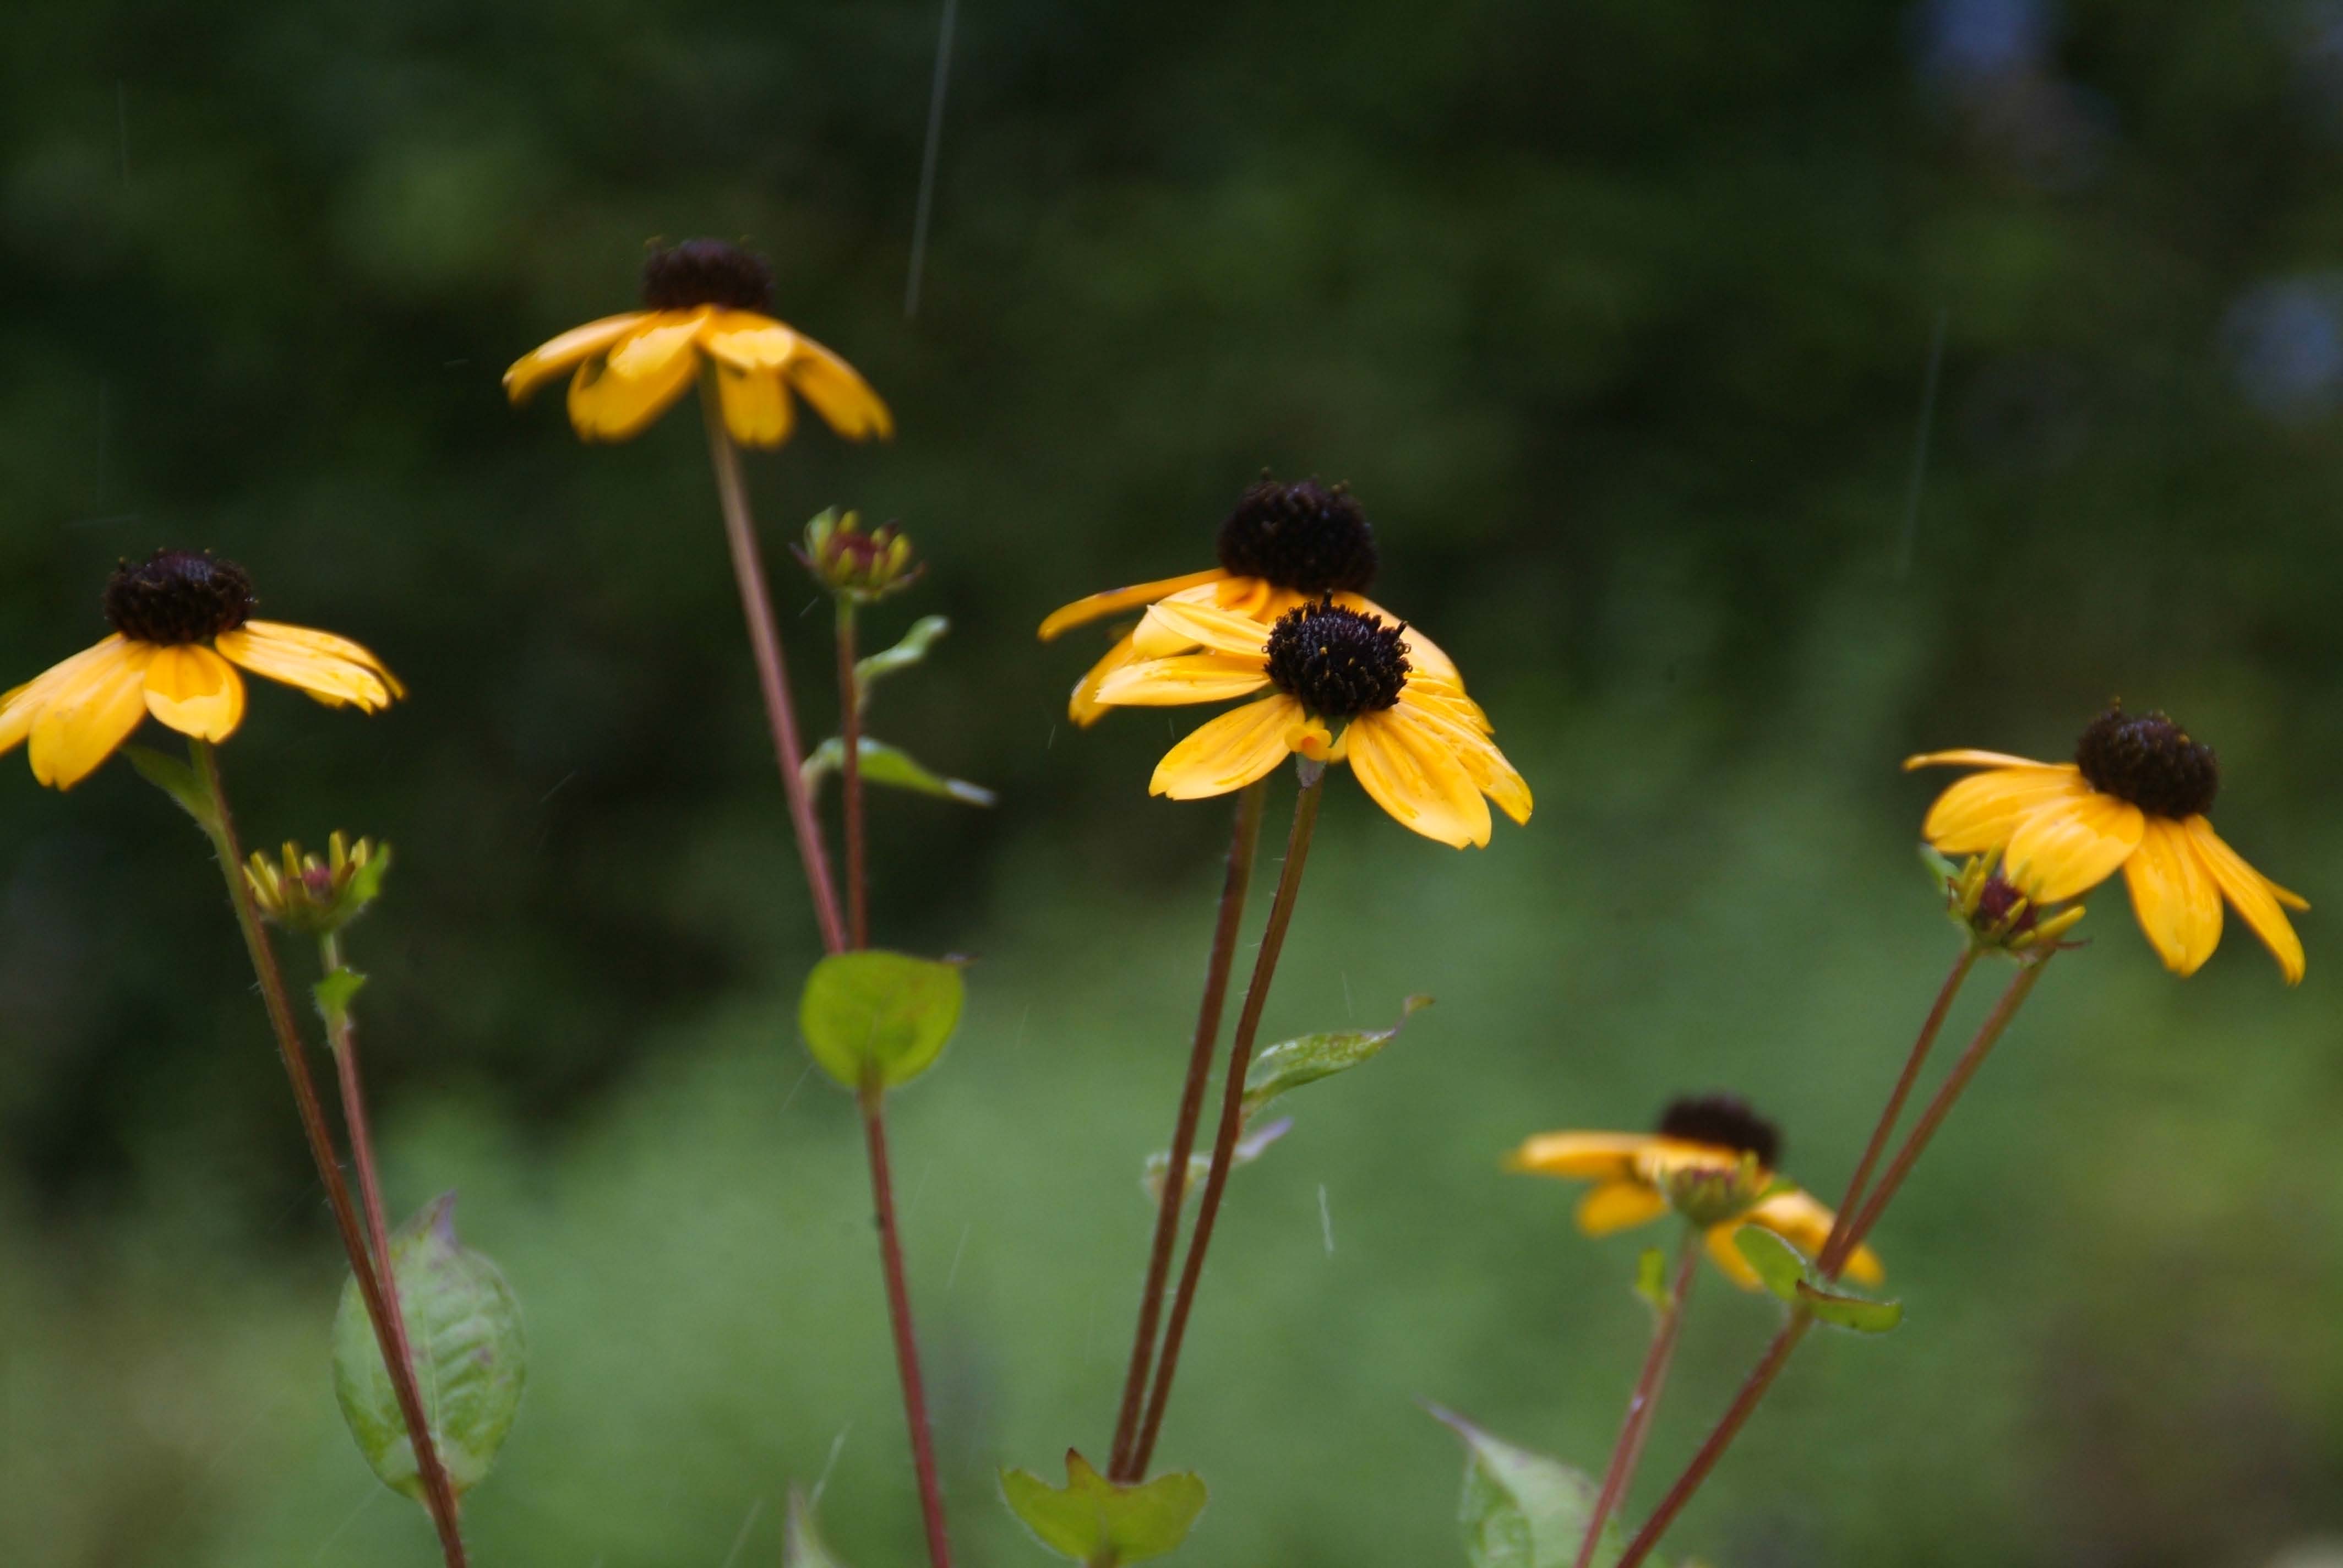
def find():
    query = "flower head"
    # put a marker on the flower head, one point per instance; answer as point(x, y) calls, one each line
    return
point(182, 620)
point(318, 897)
point(706, 303)
point(2134, 799)
point(1343, 687)
point(1995, 915)
point(1712, 1160)
point(856, 563)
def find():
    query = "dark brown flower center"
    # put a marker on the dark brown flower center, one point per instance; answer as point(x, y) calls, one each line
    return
point(707, 272)
point(1300, 537)
point(2148, 760)
point(1724, 1121)
point(1336, 662)
point(178, 596)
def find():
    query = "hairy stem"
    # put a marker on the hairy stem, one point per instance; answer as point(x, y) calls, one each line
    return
point(342, 1036)
point(1643, 1404)
point(873, 1097)
point(850, 729)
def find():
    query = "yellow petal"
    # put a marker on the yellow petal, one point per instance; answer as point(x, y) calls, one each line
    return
point(333, 669)
point(1229, 752)
point(748, 341)
point(87, 717)
point(838, 392)
point(1264, 601)
point(1419, 782)
point(1084, 707)
point(2248, 892)
point(1083, 610)
point(756, 405)
point(614, 399)
point(1421, 651)
point(1727, 1257)
point(2069, 847)
point(1619, 1206)
point(549, 360)
point(1581, 1156)
point(2175, 897)
point(1192, 677)
point(1982, 811)
point(20, 705)
point(1174, 626)
point(195, 691)
point(1482, 762)
point(1969, 759)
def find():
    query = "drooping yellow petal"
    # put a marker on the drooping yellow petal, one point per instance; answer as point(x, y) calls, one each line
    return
point(1418, 782)
point(1084, 610)
point(1174, 626)
point(1421, 651)
point(1728, 1256)
point(1619, 1206)
point(2175, 897)
point(1804, 1221)
point(87, 717)
point(756, 405)
point(1983, 810)
point(550, 358)
point(838, 392)
point(614, 399)
point(333, 669)
point(1084, 707)
point(20, 705)
point(1580, 1156)
point(1967, 758)
point(195, 691)
point(748, 341)
point(1192, 677)
point(1229, 752)
point(1482, 762)
point(1262, 599)
point(2069, 847)
point(2248, 892)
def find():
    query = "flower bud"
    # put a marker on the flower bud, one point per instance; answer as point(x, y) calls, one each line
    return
point(1994, 913)
point(1710, 1195)
point(318, 897)
point(856, 563)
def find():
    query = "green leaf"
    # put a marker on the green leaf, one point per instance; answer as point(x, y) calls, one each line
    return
point(902, 656)
point(890, 766)
point(1291, 1063)
point(334, 993)
point(181, 782)
point(1840, 1310)
point(880, 1014)
point(1249, 1148)
point(470, 1355)
point(1777, 1263)
point(1101, 1523)
point(801, 1545)
point(1652, 1279)
point(1787, 1274)
point(1523, 1510)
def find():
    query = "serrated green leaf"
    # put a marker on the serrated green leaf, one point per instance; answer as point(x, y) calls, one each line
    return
point(1777, 1263)
point(470, 1353)
point(1524, 1509)
point(1291, 1063)
point(1101, 1523)
point(180, 782)
point(1652, 1279)
point(1840, 1310)
point(892, 767)
point(910, 650)
point(334, 993)
point(801, 1544)
point(1787, 1274)
point(1249, 1148)
point(877, 1013)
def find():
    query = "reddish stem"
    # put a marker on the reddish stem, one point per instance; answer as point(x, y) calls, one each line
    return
point(1643, 1404)
point(849, 725)
point(342, 1037)
point(1753, 1389)
point(899, 1311)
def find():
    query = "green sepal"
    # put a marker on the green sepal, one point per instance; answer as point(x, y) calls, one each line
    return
point(335, 993)
point(181, 782)
point(1102, 1524)
point(1940, 869)
point(879, 1015)
point(470, 1355)
point(910, 650)
point(1652, 1279)
point(890, 766)
point(801, 1543)
point(1524, 1509)
point(1291, 1063)
point(1788, 1276)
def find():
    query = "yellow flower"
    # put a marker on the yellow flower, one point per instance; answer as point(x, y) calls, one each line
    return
point(706, 301)
point(1280, 547)
point(180, 621)
point(1710, 1135)
point(1419, 747)
point(2133, 800)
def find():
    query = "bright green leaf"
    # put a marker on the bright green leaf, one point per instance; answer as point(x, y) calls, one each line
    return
point(1523, 1510)
point(1777, 1263)
point(180, 782)
point(880, 1014)
point(888, 765)
point(1291, 1063)
point(1840, 1310)
point(334, 993)
point(1101, 1523)
point(1787, 1274)
point(801, 1545)
point(470, 1355)
point(1652, 1279)
point(902, 656)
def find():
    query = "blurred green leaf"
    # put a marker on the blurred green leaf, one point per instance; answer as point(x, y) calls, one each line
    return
point(1249, 1148)
point(180, 782)
point(910, 650)
point(888, 765)
point(1840, 1310)
point(1523, 1510)
point(1787, 1274)
point(880, 1013)
point(1652, 1279)
point(1101, 1523)
point(471, 1356)
point(801, 1544)
point(1291, 1063)
point(335, 993)
point(1778, 1263)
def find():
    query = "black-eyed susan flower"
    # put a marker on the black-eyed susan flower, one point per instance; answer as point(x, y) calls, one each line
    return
point(1706, 1149)
point(2134, 799)
point(1282, 545)
point(705, 303)
point(1343, 687)
point(181, 621)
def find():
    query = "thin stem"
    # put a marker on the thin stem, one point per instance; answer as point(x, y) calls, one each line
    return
point(342, 1036)
point(849, 729)
point(1225, 1141)
point(438, 1495)
point(1242, 841)
point(772, 671)
point(899, 1310)
point(1643, 1404)
point(1833, 1256)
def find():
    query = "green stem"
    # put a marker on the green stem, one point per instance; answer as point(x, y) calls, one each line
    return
point(440, 1496)
point(1643, 1404)
point(850, 726)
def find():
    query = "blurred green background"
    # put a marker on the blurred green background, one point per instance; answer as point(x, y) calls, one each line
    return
point(1619, 318)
